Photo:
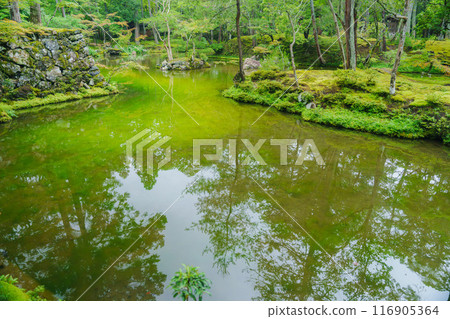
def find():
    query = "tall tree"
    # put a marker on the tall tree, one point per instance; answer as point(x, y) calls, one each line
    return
point(350, 33)
point(155, 35)
point(240, 76)
point(401, 43)
point(136, 27)
point(14, 11)
point(291, 47)
point(316, 35)
point(35, 13)
point(338, 33)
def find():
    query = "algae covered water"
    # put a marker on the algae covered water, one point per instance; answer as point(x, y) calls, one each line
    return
point(370, 224)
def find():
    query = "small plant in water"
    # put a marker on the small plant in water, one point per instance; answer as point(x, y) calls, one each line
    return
point(190, 284)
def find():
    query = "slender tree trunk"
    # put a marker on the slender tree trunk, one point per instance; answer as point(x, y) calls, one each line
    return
point(383, 41)
point(35, 13)
point(355, 30)
point(155, 35)
point(413, 19)
point(338, 34)
point(408, 22)
point(14, 11)
point(347, 19)
point(403, 23)
point(240, 76)
point(316, 35)
point(291, 48)
point(220, 33)
point(350, 33)
point(169, 46)
point(136, 27)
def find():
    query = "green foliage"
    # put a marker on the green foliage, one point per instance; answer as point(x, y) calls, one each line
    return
point(10, 292)
point(190, 283)
point(59, 97)
point(263, 75)
point(405, 128)
point(357, 80)
point(217, 47)
point(430, 21)
point(360, 104)
point(269, 87)
point(278, 59)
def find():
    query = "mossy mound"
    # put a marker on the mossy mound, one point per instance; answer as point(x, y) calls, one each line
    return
point(9, 292)
point(357, 100)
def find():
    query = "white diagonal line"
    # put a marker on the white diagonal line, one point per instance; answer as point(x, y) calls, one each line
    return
point(142, 68)
point(139, 238)
point(296, 81)
point(312, 238)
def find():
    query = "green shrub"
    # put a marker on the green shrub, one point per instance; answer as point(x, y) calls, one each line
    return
point(246, 86)
point(435, 100)
point(217, 47)
point(190, 284)
point(284, 106)
point(357, 103)
point(263, 75)
point(239, 95)
point(356, 80)
point(405, 128)
point(437, 126)
point(269, 86)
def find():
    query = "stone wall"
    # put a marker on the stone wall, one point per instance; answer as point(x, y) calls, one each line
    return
point(44, 62)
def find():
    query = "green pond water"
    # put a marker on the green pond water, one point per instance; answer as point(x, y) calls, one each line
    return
point(370, 224)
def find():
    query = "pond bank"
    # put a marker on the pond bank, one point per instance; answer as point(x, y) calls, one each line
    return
point(7, 111)
point(354, 100)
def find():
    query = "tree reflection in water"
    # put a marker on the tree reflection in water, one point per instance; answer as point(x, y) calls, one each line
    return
point(358, 207)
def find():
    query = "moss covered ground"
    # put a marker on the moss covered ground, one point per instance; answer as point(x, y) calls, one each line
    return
point(7, 110)
point(9, 292)
point(355, 100)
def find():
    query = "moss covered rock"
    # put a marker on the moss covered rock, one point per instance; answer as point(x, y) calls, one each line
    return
point(37, 61)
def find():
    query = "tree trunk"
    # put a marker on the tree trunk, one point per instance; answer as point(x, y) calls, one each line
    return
point(291, 48)
point(355, 30)
point(240, 76)
point(316, 36)
point(338, 34)
point(350, 33)
point(383, 42)
point(14, 11)
point(413, 19)
point(220, 33)
point(35, 13)
point(408, 22)
point(63, 11)
point(136, 27)
point(169, 46)
point(403, 23)
point(155, 35)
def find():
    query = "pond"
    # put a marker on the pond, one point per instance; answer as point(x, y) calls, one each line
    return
point(370, 224)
